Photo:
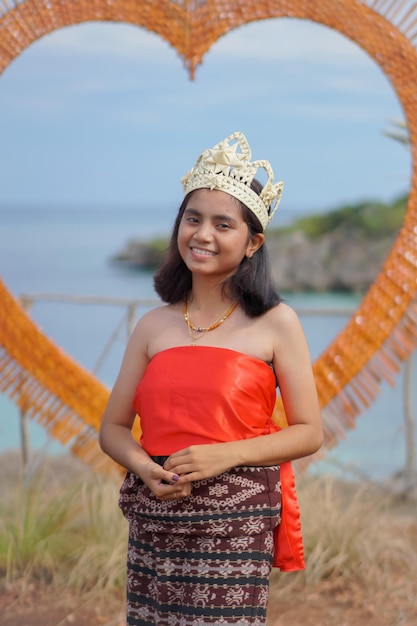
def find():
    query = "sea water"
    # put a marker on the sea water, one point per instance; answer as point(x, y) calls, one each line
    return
point(69, 252)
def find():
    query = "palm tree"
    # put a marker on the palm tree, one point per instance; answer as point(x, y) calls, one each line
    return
point(399, 132)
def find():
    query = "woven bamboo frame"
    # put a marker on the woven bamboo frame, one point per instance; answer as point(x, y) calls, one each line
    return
point(382, 333)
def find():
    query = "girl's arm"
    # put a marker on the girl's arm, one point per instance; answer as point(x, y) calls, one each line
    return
point(115, 436)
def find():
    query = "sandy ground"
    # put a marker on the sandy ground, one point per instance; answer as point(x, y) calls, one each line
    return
point(329, 604)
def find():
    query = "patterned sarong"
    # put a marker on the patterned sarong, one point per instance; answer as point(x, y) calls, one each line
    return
point(205, 559)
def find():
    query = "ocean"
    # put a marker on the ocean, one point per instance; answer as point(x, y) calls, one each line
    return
point(68, 252)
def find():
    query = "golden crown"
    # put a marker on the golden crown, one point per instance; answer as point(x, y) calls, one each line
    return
point(227, 167)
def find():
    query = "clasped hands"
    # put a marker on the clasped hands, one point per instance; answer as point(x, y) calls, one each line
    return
point(174, 480)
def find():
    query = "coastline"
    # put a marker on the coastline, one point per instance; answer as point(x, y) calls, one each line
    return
point(330, 263)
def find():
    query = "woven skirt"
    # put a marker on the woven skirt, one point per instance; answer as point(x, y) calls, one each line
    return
point(205, 559)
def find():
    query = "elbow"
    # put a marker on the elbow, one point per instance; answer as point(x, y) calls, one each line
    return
point(318, 445)
point(317, 440)
point(313, 439)
point(102, 440)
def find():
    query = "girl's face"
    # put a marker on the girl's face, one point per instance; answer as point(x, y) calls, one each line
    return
point(213, 238)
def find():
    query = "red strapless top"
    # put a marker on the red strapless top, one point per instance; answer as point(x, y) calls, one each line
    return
point(192, 395)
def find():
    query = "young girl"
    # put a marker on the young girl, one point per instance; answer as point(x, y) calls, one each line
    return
point(209, 493)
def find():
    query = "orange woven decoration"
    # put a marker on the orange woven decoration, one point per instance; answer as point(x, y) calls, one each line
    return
point(383, 331)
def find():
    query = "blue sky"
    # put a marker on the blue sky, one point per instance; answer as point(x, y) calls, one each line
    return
point(105, 115)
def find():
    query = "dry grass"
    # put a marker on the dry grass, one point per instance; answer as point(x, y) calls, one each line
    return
point(60, 525)
point(353, 530)
point(361, 556)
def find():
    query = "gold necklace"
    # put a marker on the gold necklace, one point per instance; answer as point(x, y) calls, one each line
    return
point(202, 330)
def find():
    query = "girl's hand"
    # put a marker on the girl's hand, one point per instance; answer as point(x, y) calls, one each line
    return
point(164, 484)
point(200, 461)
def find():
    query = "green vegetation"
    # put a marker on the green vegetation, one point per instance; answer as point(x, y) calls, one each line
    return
point(159, 245)
point(372, 220)
point(62, 527)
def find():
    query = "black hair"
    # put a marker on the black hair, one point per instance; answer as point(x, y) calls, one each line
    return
point(251, 285)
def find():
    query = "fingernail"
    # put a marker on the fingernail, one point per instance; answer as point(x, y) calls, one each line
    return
point(175, 477)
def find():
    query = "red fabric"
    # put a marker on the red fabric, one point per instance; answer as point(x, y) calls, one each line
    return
point(197, 394)
point(288, 538)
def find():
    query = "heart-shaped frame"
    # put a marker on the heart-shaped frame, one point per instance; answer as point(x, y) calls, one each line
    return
point(68, 400)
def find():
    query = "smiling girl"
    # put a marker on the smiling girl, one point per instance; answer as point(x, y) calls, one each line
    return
point(209, 493)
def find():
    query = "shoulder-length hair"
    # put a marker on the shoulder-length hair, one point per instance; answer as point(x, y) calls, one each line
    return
point(251, 285)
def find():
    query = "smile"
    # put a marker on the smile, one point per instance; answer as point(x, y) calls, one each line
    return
point(204, 252)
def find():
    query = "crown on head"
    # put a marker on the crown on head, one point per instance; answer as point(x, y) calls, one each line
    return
point(227, 167)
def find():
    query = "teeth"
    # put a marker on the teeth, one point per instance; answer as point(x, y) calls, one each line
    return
point(206, 252)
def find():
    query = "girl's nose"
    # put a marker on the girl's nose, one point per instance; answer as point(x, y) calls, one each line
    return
point(204, 231)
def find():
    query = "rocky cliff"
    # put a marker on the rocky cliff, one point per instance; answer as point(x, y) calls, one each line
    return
point(333, 262)
point(343, 250)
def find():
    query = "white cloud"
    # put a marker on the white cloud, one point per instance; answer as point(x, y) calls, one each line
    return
point(287, 39)
point(309, 56)
point(280, 39)
point(322, 74)
point(329, 111)
point(108, 39)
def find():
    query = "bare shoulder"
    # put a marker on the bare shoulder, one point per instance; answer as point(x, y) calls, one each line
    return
point(286, 330)
point(154, 317)
point(283, 318)
point(151, 321)
point(157, 329)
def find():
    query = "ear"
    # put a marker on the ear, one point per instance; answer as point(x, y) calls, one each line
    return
point(254, 244)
